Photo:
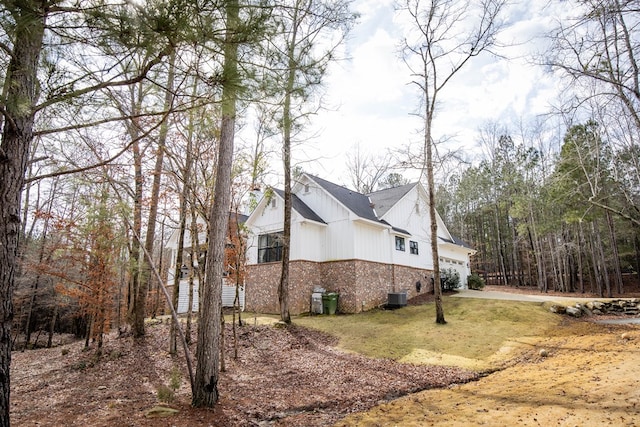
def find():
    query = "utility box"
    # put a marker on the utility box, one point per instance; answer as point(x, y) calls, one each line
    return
point(316, 303)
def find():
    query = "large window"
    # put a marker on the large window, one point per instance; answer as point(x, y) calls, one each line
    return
point(270, 247)
point(399, 243)
point(413, 247)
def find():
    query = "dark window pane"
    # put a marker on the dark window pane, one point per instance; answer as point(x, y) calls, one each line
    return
point(270, 247)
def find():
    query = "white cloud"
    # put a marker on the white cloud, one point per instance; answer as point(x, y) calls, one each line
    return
point(374, 97)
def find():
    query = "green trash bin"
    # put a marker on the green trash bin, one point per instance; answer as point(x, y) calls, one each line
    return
point(329, 303)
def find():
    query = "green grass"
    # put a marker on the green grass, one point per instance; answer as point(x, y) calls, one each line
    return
point(475, 331)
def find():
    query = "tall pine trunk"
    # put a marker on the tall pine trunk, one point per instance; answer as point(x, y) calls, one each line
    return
point(184, 197)
point(146, 277)
point(283, 288)
point(205, 393)
point(136, 302)
point(21, 94)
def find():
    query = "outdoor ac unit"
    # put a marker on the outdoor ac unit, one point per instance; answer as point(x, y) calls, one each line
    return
point(397, 299)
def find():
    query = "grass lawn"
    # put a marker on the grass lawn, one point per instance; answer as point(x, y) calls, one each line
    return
point(478, 335)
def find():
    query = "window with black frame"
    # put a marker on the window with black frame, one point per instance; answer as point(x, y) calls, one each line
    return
point(413, 247)
point(270, 247)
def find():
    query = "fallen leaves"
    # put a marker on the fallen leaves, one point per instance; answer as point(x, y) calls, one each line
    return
point(283, 376)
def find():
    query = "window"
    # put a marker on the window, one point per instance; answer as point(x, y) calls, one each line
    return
point(413, 247)
point(399, 243)
point(270, 247)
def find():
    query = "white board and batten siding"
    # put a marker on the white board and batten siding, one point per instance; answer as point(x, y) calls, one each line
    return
point(411, 213)
point(228, 296)
point(307, 241)
point(372, 242)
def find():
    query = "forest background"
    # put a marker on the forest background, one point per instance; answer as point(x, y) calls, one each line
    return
point(116, 114)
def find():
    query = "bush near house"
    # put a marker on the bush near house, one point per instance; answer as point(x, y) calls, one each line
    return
point(450, 279)
point(475, 282)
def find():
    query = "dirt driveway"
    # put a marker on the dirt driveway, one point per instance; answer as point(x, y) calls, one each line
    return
point(584, 374)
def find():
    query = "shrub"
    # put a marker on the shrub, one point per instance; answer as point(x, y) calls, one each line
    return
point(450, 278)
point(174, 379)
point(165, 394)
point(475, 282)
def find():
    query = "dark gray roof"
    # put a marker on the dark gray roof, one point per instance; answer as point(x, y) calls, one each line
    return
point(396, 229)
point(241, 218)
point(457, 241)
point(356, 202)
point(383, 200)
point(301, 207)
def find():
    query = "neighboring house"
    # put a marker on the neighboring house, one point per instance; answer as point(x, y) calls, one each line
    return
point(362, 246)
point(187, 271)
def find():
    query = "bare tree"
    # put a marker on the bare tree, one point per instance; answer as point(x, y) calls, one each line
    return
point(444, 36)
point(302, 52)
point(366, 170)
point(598, 50)
point(147, 278)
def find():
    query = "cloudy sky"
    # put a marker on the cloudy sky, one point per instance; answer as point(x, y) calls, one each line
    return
point(370, 97)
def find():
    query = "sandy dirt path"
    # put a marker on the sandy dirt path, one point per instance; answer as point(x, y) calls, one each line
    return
point(588, 378)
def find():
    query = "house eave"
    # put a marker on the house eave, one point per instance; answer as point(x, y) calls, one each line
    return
point(373, 223)
point(457, 247)
point(403, 233)
point(310, 221)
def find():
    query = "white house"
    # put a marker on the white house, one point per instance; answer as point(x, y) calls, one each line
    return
point(188, 278)
point(362, 246)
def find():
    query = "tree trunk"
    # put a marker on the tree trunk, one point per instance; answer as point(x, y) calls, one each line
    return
point(195, 267)
point(283, 288)
point(500, 247)
point(636, 247)
point(20, 94)
point(617, 272)
point(537, 253)
point(208, 350)
point(137, 308)
point(146, 277)
point(36, 284)
point(580, 258)
point(603, 262)
point(597, 270)
point(437, 288)
point(184, 196)
point(177, 272)
point(54, 317)
point(516, 262)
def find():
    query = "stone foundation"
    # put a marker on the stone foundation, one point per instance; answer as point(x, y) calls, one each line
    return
point(362, 285)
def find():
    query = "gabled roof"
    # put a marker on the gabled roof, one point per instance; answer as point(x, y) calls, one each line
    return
point(356, 202)
point(456, 241)
point(301, 207)
point(396, 229)
point(383, 200)
point(241, 218)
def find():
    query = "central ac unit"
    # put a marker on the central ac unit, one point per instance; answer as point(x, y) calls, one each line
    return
point(397, 299)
